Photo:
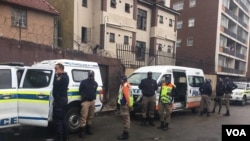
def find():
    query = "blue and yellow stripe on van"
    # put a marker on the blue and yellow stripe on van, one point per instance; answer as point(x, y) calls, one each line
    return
point(8, 96)
point(33, 96)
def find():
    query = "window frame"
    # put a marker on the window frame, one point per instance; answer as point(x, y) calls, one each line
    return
point(126, 39)
point(178, 5)
point(179, 24)
point(141, 19)
point(190, 42)
point(140, 50)
point(178, 43)
point(18, 16)
point(192, 3)
point(161, 19)
point(113, 3)
point(170, 22)
point(127, 7)
point(85, 3)
point(191, 22)
point(110, 37)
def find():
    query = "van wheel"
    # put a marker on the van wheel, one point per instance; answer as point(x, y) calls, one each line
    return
point(73, 119)
point(195, 110)
point(244, 101)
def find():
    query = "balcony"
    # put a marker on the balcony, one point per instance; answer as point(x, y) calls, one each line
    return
point(231, 13)
point(228, 51)
point(240, 20)
point(232, 34)
point(241, 56)
point(230, 70)
point(241, 39)
point(243, 6)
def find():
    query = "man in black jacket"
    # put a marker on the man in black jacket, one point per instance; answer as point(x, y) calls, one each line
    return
point(60, 88)
point(229, 87)
point(87, 91)
point(220, 91)
point(206, 92)
point(148, 87)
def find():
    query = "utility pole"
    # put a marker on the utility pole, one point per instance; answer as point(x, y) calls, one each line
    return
point(20, 32)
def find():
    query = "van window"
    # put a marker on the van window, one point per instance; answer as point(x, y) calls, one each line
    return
point(37, 78)
point(79, 75)
point(5, 78)
point(195, 81)
point(241, 85)
point(135, 78)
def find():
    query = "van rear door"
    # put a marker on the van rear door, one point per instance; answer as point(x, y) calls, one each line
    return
point(34, 96)
point(8, 97)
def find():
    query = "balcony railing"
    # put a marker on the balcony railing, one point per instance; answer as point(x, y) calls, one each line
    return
point(241, 56)
point(240, 20)
point(230, 70)
point(232, 34)
point(231, 13)
point(243, 6)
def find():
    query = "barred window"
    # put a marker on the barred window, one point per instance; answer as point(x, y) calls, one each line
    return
point(19, 18)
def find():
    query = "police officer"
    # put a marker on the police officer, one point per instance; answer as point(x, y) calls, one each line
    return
point(206, 92)
point(229, 87)
point(87, 91)
point(165, 102)
point(125, 100)
point(148, 87)
point(60, 87)
point(220, 91)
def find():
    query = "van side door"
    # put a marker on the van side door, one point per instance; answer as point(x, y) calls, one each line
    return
point(8, 97)
point(35, 93)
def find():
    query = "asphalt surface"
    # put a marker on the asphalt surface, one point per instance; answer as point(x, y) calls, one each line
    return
point(184, 126)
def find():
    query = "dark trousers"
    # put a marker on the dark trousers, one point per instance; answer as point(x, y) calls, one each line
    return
point(59, 119)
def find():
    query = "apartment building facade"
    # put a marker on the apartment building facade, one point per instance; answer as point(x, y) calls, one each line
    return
point(100, 26)
point(25, 20)
point(214, 35)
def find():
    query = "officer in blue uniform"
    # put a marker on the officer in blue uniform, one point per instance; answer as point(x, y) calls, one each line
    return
point(60, 87)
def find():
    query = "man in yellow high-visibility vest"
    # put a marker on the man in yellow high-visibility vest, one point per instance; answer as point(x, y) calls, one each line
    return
point(165, 102)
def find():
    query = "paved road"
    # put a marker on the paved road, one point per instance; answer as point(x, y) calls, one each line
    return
point(184, 126)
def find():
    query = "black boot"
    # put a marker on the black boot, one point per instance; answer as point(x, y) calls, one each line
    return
point(150, 121)
point(81, 132)
point(165, 128)
point(219, 111)
point(227, 114)
point(143, 122)
point(123, 136)
point(161, 126)
point(88, 130)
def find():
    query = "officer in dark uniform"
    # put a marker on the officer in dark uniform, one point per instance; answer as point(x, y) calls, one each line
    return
point(60, 87)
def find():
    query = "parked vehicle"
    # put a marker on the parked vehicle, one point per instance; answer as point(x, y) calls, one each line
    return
point(242, 94)
point(187, 81)
point(26, 92)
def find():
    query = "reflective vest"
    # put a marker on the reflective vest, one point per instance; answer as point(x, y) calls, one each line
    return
point(125, 90)
point(165, 93)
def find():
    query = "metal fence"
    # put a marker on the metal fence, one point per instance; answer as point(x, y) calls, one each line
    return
point(135, 57)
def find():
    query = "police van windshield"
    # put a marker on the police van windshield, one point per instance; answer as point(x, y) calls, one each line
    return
point(135, 78)
point(195, 81)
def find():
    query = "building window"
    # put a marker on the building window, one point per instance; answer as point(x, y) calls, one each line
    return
point(224, 21)
point(170, 22)
point(192, 3)
point(169, 49)
point(19, 18)
point(141, 19)
point(86, 34)
point(191, 22)
point(223, 41)
point(112, 37)
point(178, 5)
point(113, 3)
point(127, 7)
point(190, 41)
point(178, 43)
point(161, 19)
point(179, 24)
point(85, 3)
point(159, 47)
point(126, 41)
point(140, 50)
point(226, 3)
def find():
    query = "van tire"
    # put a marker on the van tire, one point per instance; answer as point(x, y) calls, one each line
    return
point(195, 110)
point(244, 101)
point(73, 119)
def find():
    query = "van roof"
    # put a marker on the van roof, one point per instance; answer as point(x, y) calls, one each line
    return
point(164, 68)
point(68, 62)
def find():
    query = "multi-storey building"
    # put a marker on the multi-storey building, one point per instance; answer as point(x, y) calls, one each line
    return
point(101, 26)
point(214, 35)
point(26, 20)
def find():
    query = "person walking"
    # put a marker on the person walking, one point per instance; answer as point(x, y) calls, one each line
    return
point(229, 87)
point(60, 88)
point(87, 91)
point(148, 87)
point(206, 92)
point(220, 91)
point(125, 101)
point(165, 103)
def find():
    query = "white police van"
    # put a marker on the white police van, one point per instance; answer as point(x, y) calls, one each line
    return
point(26, 92)
point(241, 94)
point(187, 81)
